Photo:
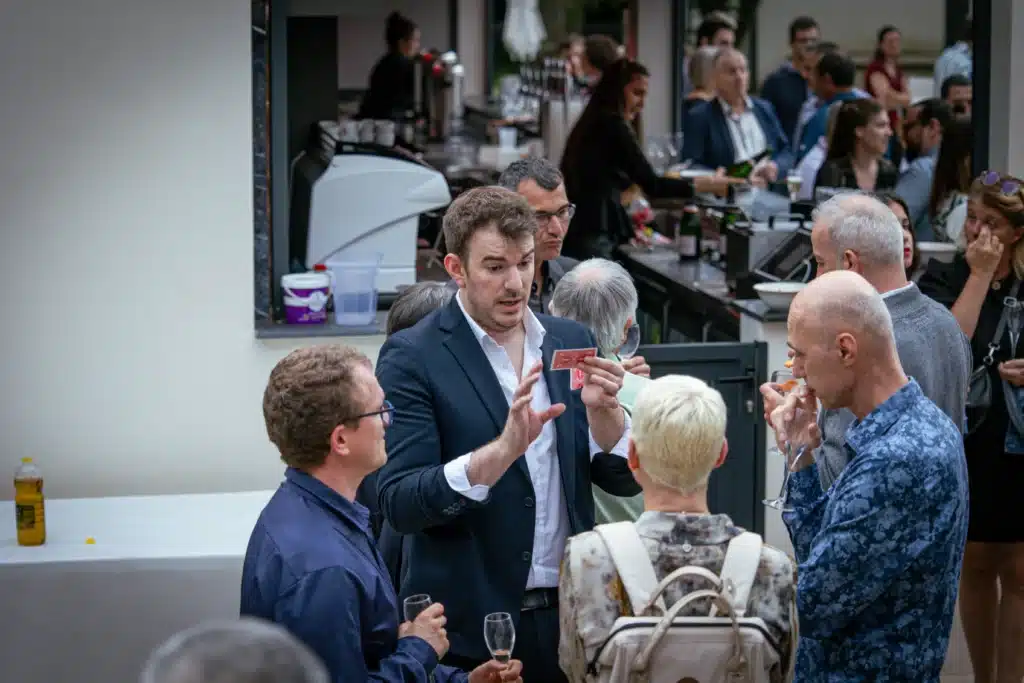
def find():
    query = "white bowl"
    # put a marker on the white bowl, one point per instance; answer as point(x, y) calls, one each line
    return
point(940, 251)
point(778, 295)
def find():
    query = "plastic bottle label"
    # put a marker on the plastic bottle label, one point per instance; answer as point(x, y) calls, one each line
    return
point(26, 516)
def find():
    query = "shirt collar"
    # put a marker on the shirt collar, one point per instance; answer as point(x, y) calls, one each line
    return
point(676, 528)
point(546, 282)
point(351, 511)
point(534, 330)
point(863, 432)
point(728, 110)
point(899, 290)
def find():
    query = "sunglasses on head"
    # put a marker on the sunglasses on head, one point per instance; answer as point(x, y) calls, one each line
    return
point(1008, 185)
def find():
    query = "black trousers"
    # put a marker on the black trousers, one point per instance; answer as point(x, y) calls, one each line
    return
point(536, 647)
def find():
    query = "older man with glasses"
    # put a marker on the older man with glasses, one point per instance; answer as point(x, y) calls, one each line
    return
point(542, 185)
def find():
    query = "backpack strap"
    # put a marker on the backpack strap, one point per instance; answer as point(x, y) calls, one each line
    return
point(632, 564)
point(739, 570)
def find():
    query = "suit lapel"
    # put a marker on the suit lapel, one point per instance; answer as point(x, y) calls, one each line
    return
point(565, 437)
point(725, 144)
point(470, 356)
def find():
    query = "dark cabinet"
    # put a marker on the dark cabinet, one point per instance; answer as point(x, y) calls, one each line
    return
point(736, 371)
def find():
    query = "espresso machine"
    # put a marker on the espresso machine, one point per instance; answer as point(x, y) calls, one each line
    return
point(439, 86)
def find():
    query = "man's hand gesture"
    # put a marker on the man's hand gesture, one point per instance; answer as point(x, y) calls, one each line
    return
point(524, 424)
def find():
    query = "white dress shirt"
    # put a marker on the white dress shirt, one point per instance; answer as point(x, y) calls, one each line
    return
point(808, 169)
point(551, 521)
point(747, 136)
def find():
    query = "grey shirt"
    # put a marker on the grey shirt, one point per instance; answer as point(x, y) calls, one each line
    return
point(932, 349)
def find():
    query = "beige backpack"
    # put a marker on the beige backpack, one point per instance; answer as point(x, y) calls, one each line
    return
point(657, 645)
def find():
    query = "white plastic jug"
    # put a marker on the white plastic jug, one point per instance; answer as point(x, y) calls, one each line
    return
point(354, 277)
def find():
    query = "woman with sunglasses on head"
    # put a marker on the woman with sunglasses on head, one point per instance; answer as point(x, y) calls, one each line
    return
point(603, 158)
point(981, 287)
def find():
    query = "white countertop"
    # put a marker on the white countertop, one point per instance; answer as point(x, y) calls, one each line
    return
point(137, 527)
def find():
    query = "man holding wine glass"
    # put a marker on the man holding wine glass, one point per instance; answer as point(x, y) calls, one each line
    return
point(312, 565)
point(880, 552)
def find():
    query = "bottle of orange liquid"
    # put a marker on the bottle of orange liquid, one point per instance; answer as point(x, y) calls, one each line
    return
point(28, 502)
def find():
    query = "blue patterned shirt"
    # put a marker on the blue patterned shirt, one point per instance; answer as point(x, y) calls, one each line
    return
point(879, 554)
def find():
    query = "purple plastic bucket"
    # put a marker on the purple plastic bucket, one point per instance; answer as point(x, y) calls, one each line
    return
point(305, 297)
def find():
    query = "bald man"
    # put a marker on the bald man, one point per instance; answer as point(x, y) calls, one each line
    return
point(857, 232)
point(879, 554)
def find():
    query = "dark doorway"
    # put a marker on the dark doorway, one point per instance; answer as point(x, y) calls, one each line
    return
point(312, 76)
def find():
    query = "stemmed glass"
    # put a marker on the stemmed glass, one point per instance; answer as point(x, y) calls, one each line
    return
point(411, 608)
point(500, 636)
point(1013, 321)
point(414, 604)
point(794, 181)
point(786, 383)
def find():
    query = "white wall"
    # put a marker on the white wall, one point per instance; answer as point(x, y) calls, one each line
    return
point(361, 32)
point(126, 270)
point(1006, 150)
point(922, 23)
point(654, 50)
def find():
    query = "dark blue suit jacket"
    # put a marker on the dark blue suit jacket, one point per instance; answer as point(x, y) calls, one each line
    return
point(708, 143)
point(475, 557)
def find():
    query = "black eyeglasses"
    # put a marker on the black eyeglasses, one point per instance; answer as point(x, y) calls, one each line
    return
point(564, 214)
point(1008, 185)
point(386, 412)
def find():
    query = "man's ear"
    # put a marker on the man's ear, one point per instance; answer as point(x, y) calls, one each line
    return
point(339, 441)
point(456, 269)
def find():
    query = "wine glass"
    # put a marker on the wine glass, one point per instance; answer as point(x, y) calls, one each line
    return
point(786, 383)
point(414, 604)
point(500, 636)
point(794, 181)
point(1013, 321)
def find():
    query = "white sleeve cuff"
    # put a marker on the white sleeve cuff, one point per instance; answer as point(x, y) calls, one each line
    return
point(620, 449)
point(456, 472)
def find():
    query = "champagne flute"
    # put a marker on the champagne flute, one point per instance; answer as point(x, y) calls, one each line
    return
point(794, 181)
point(500, 636)
point(414, 604)
point(786, 383)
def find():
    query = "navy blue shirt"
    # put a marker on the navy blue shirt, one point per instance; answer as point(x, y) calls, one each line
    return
point(312, 567)
point(787, 91)
point(879, 554)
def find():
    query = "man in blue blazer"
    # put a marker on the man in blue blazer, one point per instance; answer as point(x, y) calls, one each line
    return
point(491, 453)
point(736, 127)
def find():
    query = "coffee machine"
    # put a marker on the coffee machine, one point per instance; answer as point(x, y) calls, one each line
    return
point(439, 86)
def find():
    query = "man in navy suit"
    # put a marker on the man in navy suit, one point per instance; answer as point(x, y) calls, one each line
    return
point(491, 454)
point(735, 127)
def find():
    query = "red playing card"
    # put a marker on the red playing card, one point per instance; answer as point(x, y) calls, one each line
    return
point(575, 379)
point(566, 359)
